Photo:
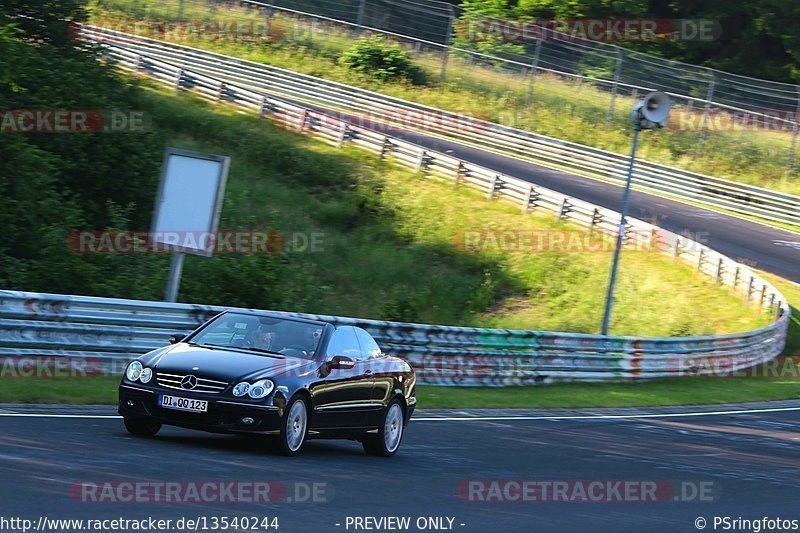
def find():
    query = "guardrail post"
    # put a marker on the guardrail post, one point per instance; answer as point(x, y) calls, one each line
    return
point(700, 259)
point(178, 79)
point(626, 236)
point(386, 148)
point(763, 296)
point(496, 181)
point(220, 90)
point(423, 162)
point(263, 107)
point(678, 247)
point(526, 200)
point(303, 119)
point(597, 218)
point(564, 210)
point(653, 239)
point(534, 66)
point(460, 170)
point(771, 305)
point(344, 133)
point(718, 272)
point(749, 290)
point(614, 88)
point(140, 63)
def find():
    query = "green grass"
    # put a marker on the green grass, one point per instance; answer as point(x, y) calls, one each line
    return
point(392, 243)
point(684, 391)
point(680, 391)
point(555, 291)
point(561, 109)
point(391, 250)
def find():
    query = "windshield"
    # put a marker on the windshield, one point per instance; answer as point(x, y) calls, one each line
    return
point(261, 334)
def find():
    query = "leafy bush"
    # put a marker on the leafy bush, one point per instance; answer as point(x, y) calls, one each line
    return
point(372, 57)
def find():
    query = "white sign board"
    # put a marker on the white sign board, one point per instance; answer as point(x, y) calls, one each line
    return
point(189, 201)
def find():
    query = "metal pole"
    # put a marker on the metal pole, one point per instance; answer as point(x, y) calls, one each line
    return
point(443, 74)
point(269, 13)
point(620, 235)
point(793, 146)
point(706, 112)
point(360, 19)
point(534, 66)
point(614, 88)
point(175, 270)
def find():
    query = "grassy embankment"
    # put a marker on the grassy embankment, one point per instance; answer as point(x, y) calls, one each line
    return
point(391, 250)
point(561, 108)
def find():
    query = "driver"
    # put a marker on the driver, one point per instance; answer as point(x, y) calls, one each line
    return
point(263, 338)
point(315, 336)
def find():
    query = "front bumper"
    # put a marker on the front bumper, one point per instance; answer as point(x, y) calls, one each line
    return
point(224, 415)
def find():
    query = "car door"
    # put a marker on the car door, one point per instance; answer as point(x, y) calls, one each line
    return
point(343, 395)
point(381, 376)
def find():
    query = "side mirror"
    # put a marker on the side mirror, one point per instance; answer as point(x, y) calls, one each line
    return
point(175, 338)
point(341, 362)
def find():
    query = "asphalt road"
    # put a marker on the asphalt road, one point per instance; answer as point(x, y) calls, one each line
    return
point(745, 466)
point(757, 245)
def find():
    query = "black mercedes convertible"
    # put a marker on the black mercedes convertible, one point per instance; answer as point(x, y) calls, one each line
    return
point(287, 378)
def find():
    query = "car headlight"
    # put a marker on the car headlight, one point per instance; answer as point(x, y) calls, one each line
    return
point(134, 371)
point(261, 388)
point(241, 389)
point(146, 376)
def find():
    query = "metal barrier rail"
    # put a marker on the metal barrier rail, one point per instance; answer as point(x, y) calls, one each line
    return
point(108, 329)
point(360, 103)
point(111, 329)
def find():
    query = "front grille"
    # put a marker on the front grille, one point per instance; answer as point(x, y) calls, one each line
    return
point(173, 381)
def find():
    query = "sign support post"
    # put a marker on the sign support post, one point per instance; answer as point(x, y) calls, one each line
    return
point(187, 208)
point(174, 282)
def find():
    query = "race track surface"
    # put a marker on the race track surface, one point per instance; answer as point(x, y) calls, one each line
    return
point(757, 245)
point(746, 463)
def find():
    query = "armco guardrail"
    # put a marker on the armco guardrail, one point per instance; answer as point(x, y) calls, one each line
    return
point(54, 325)
point(592, 162)
point(108, 329)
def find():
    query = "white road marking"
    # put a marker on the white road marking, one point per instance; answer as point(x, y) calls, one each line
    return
point(483, 418)
point(788, 244)
point(605, 417)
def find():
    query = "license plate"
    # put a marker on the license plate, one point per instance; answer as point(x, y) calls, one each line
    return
point(182, 404)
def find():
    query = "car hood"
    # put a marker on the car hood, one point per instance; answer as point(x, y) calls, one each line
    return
point(227, 365)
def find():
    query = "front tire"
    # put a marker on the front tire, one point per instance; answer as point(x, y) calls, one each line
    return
point(142, 427)
point(294, 428)
point(390, 434)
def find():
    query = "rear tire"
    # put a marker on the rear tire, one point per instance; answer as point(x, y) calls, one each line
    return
point(294, 428)
point(142, 427)
point(390, 434)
